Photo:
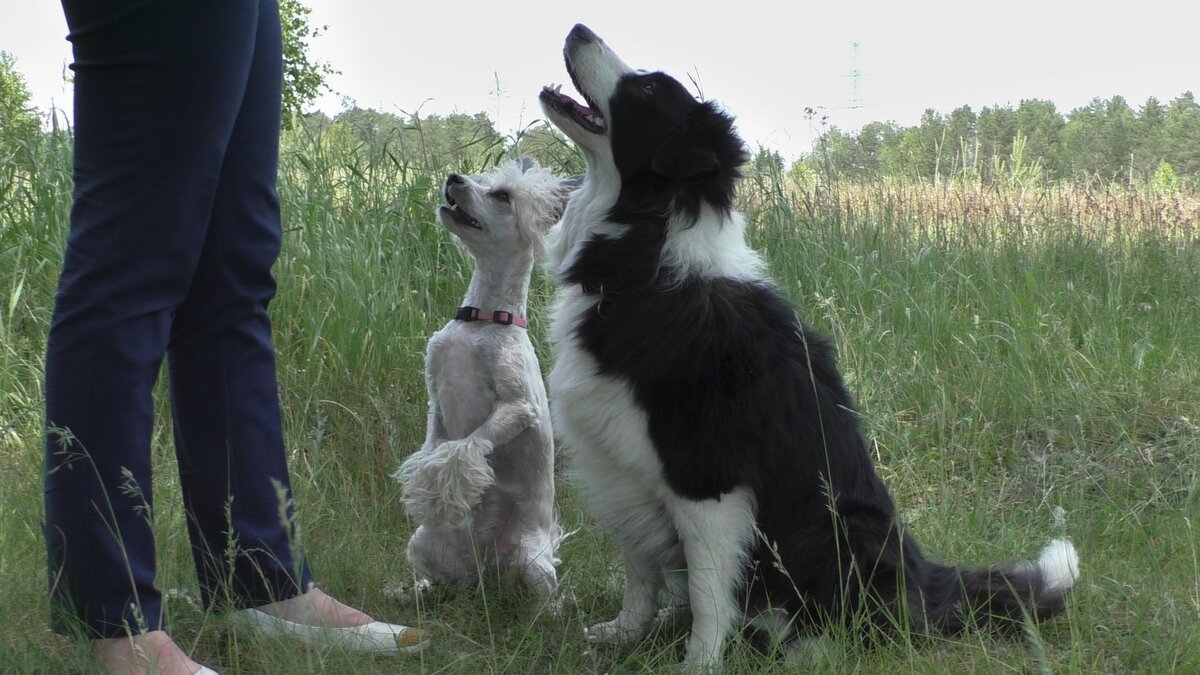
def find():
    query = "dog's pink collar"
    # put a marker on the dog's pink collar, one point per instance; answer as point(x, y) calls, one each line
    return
point(501, 317)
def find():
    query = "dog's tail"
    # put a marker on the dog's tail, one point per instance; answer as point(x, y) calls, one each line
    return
point(441, 484)
point(1005, 595)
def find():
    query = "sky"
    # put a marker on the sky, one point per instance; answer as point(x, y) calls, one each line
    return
point(764, 62)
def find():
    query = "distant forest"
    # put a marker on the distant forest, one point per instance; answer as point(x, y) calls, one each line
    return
point(1106, 140)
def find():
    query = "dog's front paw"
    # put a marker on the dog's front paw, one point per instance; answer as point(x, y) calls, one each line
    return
point(701, 656)
point(408, 594)
point(441, 484)
point(615, 632)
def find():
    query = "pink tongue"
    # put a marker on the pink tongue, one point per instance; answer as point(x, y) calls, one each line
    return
point(579, 107)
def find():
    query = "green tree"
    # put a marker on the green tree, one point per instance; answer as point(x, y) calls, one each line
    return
point(1099, 138)
point(303, 78)
point(960, 140)
point(1082, 139)
point(908, 157)
point(1040, 124)
point(19, 120)
point(551, 148)
point(20, 131)
point(995, 130)
point(1120, 131)
point(377, 132)
point(458, 141)
point(314, 123)
point(1149, 143)
point(1165, 180)
point(455, 142)
point(766, 168)
point(837, 154)
point(932, 155)
point(875, 140)
point(1104, 139)
point(1181, 134)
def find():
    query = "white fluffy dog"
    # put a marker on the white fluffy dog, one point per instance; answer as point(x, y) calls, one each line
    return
point(482, 485)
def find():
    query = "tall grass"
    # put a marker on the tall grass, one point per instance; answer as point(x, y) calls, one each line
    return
point(1026, 357)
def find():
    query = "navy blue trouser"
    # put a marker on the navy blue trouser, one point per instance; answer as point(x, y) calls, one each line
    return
point(174, 229)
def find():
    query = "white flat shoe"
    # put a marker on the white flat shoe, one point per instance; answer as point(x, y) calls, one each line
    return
point(375, 637)
point(205, 670)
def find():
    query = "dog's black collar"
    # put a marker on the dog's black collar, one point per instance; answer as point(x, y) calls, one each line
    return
point(604, 290)
point(468, 313)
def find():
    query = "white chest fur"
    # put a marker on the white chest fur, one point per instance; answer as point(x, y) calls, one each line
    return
point(595, 414)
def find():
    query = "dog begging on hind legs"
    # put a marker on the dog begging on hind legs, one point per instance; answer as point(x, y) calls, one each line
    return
point(481, 487)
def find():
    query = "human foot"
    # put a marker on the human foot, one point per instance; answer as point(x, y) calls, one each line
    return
point(316, 608)
point(315, 618)
point(152, 653)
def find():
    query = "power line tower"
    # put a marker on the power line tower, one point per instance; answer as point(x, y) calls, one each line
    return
point(856, 103)
point(855, 76)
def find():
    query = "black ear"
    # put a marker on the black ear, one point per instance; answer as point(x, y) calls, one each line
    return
point(685, 153)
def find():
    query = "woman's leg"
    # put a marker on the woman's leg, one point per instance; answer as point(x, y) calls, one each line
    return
point(228, 435)
point(158, 89)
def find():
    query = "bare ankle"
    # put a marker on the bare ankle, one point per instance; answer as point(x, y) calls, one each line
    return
point(316, 608)
point(153, 652)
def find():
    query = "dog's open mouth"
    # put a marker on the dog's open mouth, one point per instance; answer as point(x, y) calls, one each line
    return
point(586, 116)
point(458, 214)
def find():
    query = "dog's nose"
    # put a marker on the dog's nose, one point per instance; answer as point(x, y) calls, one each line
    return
point(583, 34)
point(454, 179)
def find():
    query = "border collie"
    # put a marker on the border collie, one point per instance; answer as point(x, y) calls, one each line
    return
point(709, 427)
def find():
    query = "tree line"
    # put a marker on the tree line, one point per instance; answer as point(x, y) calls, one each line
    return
point(1106, 140)
point(461, 142)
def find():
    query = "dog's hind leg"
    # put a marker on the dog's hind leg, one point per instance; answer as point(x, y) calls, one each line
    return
point(716, 535)
point(442, 555)
point(536, 560)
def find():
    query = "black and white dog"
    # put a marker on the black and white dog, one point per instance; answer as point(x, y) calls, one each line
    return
point(710, 428)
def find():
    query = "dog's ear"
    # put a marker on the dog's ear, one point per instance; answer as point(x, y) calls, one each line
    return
point(526, 163)
point(685, 153)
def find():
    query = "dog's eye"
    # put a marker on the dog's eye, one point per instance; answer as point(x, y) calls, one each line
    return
point(501, 196)
point(648, 87)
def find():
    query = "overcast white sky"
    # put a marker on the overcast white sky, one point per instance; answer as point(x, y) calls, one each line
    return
point(763, 61)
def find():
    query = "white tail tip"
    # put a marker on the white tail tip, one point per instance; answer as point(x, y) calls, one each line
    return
point(1059, 564)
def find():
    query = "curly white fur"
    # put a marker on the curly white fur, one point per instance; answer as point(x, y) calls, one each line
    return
point(482, 484)
point(442, 483)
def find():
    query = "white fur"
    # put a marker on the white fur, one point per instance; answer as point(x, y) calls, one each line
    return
point(713, 246)
point(716, 535)
point(691, 549)
point(443, 482)
point(482, 484)
point(585, 216)
point(614, 461)
point(1059, 565)
point(694, 548)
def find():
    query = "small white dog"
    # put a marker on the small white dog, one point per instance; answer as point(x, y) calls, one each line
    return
point(482, 485)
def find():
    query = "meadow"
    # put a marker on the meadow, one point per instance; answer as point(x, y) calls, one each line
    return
point(1026, 356)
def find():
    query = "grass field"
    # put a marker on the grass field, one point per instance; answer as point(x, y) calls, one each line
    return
point(1027, 359)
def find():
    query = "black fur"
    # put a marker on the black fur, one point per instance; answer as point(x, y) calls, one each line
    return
point(673, 152)
point(738, 392)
